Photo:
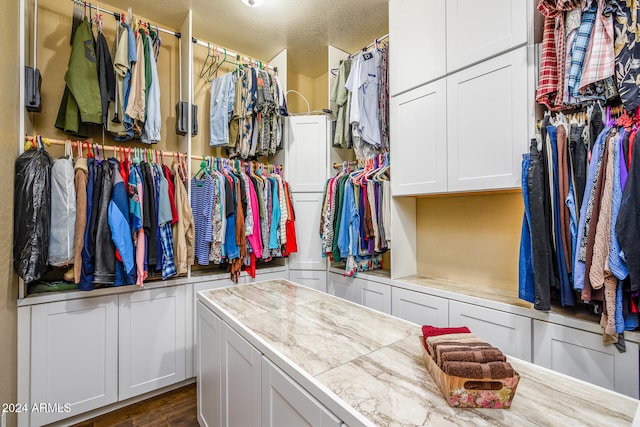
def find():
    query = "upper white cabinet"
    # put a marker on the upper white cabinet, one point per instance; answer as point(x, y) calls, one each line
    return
point(420, 308)
point(508, 332)
point(417, 33)
point(477, 30)
point(582, 355)
point(306, 151)
point(74, 356)
point(285, 403)
point(487, 123)
point(308, 209)
point(419, 140)
point(152, 341)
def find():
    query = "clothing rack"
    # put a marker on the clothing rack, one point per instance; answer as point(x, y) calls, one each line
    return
point(118, 16)
point(32, 141)
point(237, 56)
point(375, 42)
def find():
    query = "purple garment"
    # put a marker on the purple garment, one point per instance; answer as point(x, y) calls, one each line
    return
point(623, 165)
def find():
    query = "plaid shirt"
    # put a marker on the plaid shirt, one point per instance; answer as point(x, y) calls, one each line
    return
point(166, 240)
point(548, 77)
point(600, 58)
point(579, 50)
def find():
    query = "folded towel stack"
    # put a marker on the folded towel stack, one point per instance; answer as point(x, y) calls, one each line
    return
point(460, 353)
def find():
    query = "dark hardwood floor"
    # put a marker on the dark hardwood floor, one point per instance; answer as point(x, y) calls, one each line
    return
point(173, 409)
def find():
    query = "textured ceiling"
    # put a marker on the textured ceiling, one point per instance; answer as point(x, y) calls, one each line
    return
point(304, 27)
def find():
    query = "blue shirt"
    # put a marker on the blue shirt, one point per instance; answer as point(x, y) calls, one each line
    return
point(202, 206)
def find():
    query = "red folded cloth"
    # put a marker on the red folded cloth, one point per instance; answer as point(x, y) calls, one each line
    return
point(491, 370)
point(432, 331)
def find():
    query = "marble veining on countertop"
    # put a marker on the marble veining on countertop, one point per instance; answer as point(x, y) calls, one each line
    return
point(373, 362)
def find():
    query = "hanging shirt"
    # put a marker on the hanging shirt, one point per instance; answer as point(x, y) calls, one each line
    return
point(222, 102)
point(363, 81)
point(153, 119)
point(600, 59)
point(202, 207)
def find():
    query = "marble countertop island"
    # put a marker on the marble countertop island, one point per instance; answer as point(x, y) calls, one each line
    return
point(367, 366)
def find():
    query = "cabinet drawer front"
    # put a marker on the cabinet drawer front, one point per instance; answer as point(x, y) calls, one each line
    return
point(487, 123)
point(420, 308)
point(417, 33)
point(477, 30)
point(74, 356)
point(509, 332)
point(582, 355)
point(312, 279)
point(419, 140)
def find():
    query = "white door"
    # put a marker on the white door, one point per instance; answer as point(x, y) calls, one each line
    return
point(487, 123)
point(285, 403)
point(582, 355)
point(74, 357)
point(311, 278)
point(152, 340)
point(477, 30)
point(417, 36)
point(348, 288)
point(209, 368)
point(307, 207)
point(241, 381)
point(306, 150)
point(374, 295)
point(419, 140)
point(508, 332)
point(420, 308)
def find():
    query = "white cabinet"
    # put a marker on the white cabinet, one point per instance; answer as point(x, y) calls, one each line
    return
point(417, 35)
point(477, 30)
point(209, 368)
point(310, 278)
point(419, 140)
point(364, 292)
point(306, 153)
point(582, 355)
point(420, 308)
point(74, 356)
point(487, 123)
point(152, 340)
point(508, 332)
point(266, 275)
point(308, 209)
point(285, 403)
point(241, 381)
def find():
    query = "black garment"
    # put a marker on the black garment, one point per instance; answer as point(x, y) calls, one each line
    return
point(229, 196)
point(243, 194)
point(578, 151)
point(105, 263)
point(95, 203)
point(547, 159)
point(106, 76)
point(628, 223)
point(542, 254)
point(596, 125)
point(150, 219)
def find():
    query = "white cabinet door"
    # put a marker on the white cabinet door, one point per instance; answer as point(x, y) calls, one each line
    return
point(582, 355)
point(419, 140)
point(417, 37)
point(487, 123)
point(74, 356)
point(477, 30)
point(285, 403)
point(306, 152)
point(241, 381)
point(508, 332)
point(420, 308)
point(345, 287)
point(209, 368)
point(312, 279)
point(152, 340)
point(373, 295)
point(307, 207)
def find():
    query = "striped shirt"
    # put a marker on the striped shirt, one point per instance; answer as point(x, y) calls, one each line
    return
point(202, 207)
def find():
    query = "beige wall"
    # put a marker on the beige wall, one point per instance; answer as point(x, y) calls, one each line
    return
point(314, 90)
point(9, 105)
point(472, 238)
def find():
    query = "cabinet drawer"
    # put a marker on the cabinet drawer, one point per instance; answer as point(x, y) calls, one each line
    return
point(477, 30)
point(420, 308)
point(582, 355)
point(508, 332)
point(310, 278)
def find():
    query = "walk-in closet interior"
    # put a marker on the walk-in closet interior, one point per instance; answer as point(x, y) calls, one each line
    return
point(376, 164)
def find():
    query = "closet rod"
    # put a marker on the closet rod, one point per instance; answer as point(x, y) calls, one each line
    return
point(378, 40)
point(52, 141)
point(117, 15)
point(350, 163)
point(233, 54)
